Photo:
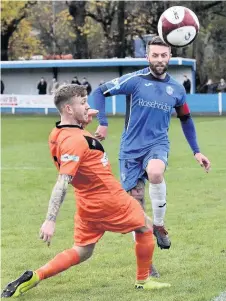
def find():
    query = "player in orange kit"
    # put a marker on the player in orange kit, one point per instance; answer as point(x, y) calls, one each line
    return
point(102, 204)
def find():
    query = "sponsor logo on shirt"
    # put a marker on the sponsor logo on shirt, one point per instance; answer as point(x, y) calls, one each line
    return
point(67, 158)
point(149, 84)
point(104, 160)
point(94, 143)
point(155, 105)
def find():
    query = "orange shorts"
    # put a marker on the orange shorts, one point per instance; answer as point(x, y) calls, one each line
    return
point(89, 232)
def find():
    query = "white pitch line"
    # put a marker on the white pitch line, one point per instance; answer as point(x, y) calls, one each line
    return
point(221, 297)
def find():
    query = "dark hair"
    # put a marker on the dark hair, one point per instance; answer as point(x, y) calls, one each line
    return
point(156, 41)
point(65, 93)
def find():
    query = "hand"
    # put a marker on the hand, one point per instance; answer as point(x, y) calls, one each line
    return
point(203, 161)
point(47, 230)
point(91, 114)
point(101, 132)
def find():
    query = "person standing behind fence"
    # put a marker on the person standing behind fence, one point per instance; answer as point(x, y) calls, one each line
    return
point(87, 84)
point(221, 86)
point(187, 84)
point(42, 86)
point(2, 87)
point(53, 86)
point(209, 87)
point(75, 81)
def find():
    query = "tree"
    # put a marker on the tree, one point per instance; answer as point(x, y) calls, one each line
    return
point(12, 13)
point(120, 39)
point(23, 43)
point(53, 24)
point(77, 10)
point(103, 12)
point(141, 19)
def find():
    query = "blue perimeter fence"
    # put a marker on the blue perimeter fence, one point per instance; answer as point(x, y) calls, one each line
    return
point(200, 104)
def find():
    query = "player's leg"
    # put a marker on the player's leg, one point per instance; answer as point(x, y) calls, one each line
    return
point(138, 193)
point(131, 172)
point(58, 264)
point(85, 237)
point(133, 218)
point(65, 260)
point(155, 164)
point(144, 248)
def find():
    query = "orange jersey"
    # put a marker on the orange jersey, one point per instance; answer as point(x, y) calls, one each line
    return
point(76, 152)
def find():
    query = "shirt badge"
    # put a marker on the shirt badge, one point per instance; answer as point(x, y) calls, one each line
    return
point(169, 90)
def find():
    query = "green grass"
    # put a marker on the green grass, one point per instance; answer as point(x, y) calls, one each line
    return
point(196, 263)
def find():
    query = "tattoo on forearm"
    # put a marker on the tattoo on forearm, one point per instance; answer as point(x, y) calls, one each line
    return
point(57, 196)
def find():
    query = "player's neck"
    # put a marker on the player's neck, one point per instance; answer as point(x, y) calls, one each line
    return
point(162, 76)
point(67, 120)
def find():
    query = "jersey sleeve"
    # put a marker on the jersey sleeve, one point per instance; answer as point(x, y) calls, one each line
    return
point(72, 151)
point(181, 99)
point(121, 85)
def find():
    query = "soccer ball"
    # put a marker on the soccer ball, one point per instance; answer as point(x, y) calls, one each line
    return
point(178, 26)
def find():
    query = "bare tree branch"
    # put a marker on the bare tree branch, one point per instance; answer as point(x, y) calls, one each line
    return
point(210, 5)
point(94, 17)
point(15, 22)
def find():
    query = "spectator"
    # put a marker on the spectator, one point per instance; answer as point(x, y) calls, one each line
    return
point(197, 82)
point(42, 86)
point(87, 84)
point(221, 86)
point(209, 87)
point(53, 86)
point(187, 84)
point(75, 81)
point(2, 87)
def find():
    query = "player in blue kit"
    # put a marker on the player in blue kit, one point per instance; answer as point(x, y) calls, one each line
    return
point(151, 96)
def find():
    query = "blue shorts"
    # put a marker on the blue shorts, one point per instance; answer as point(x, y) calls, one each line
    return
point(131, 170)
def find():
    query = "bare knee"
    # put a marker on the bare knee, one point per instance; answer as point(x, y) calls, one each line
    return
point(138, 193)
point(155, 177)
point(84, 252)
point(155, 171)
point(148, 226)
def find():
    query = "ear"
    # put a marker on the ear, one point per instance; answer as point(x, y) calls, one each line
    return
point(68, 109)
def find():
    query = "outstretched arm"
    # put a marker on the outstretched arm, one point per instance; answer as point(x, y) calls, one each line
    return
point(123, 85)
point(99, 103)
point(188, 127)
point(56, 199)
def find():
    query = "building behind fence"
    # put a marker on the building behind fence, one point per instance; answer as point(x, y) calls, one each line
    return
point(21, 78)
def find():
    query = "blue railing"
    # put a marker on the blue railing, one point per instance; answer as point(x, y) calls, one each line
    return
point(206, 104)
point(201, 104)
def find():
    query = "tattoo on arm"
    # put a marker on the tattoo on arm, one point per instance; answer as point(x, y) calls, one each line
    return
point(57, 196)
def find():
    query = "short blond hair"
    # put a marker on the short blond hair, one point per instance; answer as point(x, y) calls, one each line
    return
point(65, 93)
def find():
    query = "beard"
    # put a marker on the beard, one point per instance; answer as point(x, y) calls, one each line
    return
point(158, 69)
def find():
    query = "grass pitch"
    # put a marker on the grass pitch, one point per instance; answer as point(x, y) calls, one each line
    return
point(196, 263)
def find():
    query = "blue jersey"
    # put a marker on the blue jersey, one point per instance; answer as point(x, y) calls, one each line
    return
point(150, 102)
